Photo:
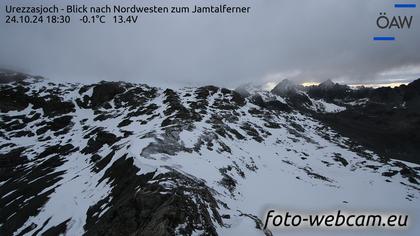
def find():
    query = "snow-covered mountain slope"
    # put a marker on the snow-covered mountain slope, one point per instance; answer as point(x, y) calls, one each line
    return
point(129, 159)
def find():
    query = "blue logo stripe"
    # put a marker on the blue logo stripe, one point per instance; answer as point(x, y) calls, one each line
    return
point(405, 5)
point(384, 38)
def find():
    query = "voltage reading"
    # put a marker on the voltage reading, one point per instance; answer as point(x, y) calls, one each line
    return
point(119, 19)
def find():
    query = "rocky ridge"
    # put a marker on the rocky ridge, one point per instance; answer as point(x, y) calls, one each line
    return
point(129, 159)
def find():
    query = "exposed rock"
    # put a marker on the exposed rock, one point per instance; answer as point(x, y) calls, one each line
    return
point(118, 158)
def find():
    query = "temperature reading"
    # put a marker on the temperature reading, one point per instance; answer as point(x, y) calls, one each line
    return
point(93, 19)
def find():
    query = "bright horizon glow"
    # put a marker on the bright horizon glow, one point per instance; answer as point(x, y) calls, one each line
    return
point(270, 85)
point(307, 84)
point(392, 85)
point(367, 85)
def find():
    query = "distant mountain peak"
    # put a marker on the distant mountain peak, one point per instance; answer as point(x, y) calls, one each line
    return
point(284, 87)
point(327, 84)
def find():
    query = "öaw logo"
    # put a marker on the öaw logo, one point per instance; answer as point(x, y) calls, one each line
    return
point(385, 21)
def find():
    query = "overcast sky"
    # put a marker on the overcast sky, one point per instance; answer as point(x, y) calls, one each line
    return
point(303, 40)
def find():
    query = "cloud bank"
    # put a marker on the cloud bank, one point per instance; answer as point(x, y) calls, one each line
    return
point(302, 40)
